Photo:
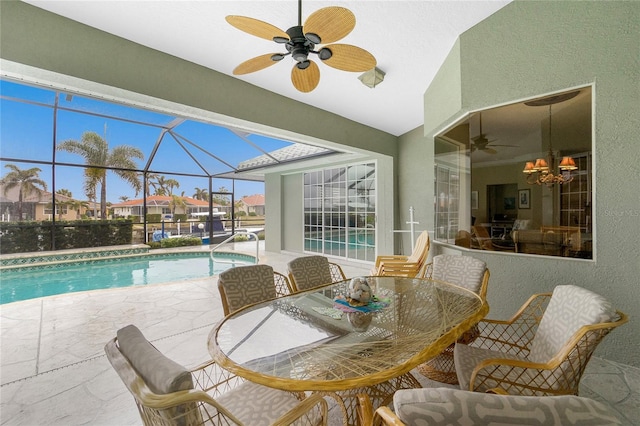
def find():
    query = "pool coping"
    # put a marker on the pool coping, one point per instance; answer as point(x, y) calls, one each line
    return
point(31, 261)
point(21, 260)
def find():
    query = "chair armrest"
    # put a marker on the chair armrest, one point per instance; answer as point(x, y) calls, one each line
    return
point(312, 407)
point(337, 274)
point(213, 379)
point(382, 416)
point(283, 286)
point(517, 377)
point(514, 335)
point(390, 258)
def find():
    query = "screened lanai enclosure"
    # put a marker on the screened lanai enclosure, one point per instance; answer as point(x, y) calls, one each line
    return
point(78, 170)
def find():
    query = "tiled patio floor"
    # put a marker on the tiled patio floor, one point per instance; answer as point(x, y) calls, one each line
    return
point(53, 369)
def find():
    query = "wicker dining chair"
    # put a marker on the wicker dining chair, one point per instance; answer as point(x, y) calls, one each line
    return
point(543, 349)
point(405, 266)
point(244, 285)
point(444, 406)
point(312, 271)
point(467, 272)
point(167, 394)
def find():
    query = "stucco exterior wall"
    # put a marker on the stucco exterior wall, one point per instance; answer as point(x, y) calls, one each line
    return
point(529, 49)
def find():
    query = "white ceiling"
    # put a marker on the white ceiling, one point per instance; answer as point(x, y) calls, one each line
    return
point(410, 40)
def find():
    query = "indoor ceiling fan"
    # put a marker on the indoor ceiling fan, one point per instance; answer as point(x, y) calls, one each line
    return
point(326, 25)
point(481, 143)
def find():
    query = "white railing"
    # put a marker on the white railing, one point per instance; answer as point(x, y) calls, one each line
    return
point(232, 236)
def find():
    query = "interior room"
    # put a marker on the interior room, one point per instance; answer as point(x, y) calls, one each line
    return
point(457, 143)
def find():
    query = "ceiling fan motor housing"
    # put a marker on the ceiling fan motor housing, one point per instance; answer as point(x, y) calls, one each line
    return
point(298, 44)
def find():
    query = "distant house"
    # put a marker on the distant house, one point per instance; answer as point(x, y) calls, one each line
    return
point(40, 207)
point(252, 203)
point(161, 204)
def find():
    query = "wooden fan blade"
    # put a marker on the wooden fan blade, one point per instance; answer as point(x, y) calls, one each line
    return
point(307, 79)
point(330, 23)
point(254, 64)
point(346, 57)
point(490, 151)
point(256, 27)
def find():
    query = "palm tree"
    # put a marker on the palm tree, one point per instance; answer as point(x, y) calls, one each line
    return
point(27, 181)
point(152, 182)
point(64, 192)
point(170, 184)
point(98, 158)
point(123, 198)
point(176, 202)
point(78, 206)
point(201, 194)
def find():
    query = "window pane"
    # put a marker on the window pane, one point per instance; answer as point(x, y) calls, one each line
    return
point(485, 154)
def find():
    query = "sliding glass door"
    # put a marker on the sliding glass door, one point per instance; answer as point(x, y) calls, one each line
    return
point(340, 211)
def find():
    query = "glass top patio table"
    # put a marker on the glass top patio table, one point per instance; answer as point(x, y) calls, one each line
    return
point(306, 342)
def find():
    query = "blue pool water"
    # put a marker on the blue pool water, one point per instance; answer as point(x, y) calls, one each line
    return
point(39, 281)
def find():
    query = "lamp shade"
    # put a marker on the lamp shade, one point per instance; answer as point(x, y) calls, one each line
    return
point(528, 168)
point(541, 165)
point(567, 163)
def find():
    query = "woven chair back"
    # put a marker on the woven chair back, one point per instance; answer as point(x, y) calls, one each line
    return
point(309, 271)
point(245, 285)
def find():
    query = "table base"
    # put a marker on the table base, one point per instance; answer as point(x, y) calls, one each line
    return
point(380, 394)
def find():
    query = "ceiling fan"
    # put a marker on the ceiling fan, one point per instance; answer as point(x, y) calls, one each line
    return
point(481, 143)
point(326, 25)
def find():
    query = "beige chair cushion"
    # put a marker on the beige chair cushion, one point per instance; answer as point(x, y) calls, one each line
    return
point(464, 271)
point(161, 374)
point(258, 405)
point(244, 285)
point(442, 406)
point(570, 308)
point(310, 271)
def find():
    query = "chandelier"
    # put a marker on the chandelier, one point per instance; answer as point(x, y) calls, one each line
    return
point(541, 172)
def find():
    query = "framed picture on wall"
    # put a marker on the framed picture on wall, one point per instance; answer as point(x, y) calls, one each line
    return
point(474, 200)
point(524, 199)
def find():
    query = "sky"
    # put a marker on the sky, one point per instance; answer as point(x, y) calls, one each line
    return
point(27, 133)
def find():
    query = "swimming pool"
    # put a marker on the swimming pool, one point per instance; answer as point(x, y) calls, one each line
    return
point(59, 278)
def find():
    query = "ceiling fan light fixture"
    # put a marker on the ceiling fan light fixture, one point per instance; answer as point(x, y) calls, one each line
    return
point(281, 40)
point(313, 38)
point(300, 54)
point(303, 65)
point(277, 57)
point(325, 53)
point(372, 78)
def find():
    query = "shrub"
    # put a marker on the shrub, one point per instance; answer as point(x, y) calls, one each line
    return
point(154, 217)
point(180, 242)
point(21, 237)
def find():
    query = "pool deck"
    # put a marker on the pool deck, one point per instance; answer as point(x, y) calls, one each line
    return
point(53, 369)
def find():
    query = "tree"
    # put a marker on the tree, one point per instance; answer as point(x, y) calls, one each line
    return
point(164, 186)
point(27, 181)
point(201, 194)
point(176, 202)
point(98, 157)
point(152, 182)
point(220, 199)
point(170, 184)
point(78, 206)
point(64, 192)
point(123, 198)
